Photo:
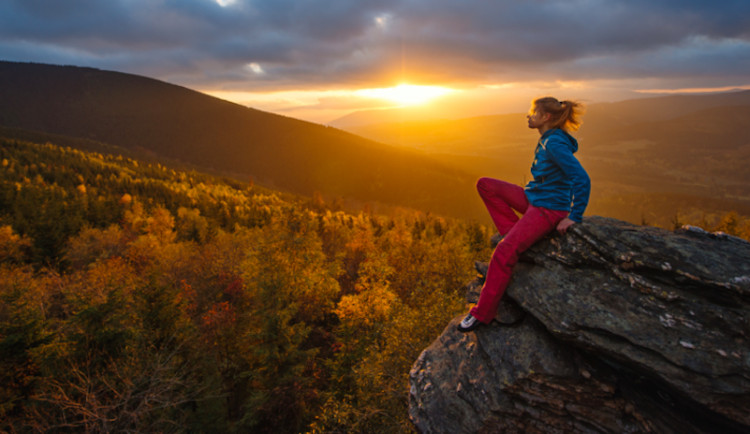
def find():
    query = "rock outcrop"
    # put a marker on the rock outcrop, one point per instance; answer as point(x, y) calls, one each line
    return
point(612, 328)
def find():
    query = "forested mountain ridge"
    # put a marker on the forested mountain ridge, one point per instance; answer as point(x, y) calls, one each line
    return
point(147, 115)
point(652, 160)
point(136, 297)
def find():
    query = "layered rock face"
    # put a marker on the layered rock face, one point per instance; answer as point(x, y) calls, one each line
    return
point(611, 328)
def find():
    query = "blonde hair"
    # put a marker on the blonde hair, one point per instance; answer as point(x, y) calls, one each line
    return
point(565, 114)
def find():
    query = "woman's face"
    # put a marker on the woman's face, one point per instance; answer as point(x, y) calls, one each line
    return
point(537, 118)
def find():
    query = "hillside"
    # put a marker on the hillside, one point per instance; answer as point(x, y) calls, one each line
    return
point(650, 158)
point(139, 298)
point(167, 121)
point(136, 297)
point(655, 160)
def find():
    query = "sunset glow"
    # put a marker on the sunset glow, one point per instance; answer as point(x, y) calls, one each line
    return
point(406, 94)
point(323, 105)
point(317, 61)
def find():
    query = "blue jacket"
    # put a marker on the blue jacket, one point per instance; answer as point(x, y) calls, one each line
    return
point(560, 182)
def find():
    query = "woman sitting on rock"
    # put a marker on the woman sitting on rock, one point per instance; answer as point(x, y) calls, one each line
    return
point(555, 198)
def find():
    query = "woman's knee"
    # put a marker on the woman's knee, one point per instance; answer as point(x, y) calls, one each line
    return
point(484, 183)
point(505, 254)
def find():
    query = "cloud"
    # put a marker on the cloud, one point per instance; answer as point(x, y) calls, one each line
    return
point(360, 43)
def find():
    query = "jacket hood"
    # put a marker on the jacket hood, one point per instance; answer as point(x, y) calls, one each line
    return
point(570, 140)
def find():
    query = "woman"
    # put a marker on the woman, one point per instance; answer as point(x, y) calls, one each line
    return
point(555, 198)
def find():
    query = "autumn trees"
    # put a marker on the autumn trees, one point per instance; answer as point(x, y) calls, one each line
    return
point(137, 297)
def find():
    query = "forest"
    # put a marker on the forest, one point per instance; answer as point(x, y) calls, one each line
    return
point(138, 297)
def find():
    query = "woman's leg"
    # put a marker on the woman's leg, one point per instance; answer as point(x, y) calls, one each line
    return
point(501, 198)
point(534, 225)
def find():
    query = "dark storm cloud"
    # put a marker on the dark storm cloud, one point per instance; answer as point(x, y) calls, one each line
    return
point(304, 42)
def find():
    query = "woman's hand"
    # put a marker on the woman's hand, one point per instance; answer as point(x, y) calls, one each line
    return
point(564, 224)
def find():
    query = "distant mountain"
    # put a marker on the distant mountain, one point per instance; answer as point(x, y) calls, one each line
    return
point(476, 134)
point(636, 109)
point(144, 115)
point(660, 108)
point(398, 114)
point(648, 157)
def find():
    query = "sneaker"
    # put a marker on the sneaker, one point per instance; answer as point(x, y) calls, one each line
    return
point(469, 323)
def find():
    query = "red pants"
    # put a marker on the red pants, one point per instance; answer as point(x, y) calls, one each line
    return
point(501, 198)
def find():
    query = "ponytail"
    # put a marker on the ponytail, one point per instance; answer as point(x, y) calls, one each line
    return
point(566, 115)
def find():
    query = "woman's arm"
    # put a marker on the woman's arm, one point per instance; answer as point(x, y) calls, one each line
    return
point(581, 183)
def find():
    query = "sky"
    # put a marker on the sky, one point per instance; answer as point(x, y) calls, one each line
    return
point(320, 60)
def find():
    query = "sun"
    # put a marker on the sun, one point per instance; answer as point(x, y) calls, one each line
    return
point(406, 94)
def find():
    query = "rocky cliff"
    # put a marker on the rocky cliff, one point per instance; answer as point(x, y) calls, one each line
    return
point(612, 328)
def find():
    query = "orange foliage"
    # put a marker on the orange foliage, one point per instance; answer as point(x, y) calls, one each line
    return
point(218, 323)
point(204, 291)
point(366, 308)
point(12, 246)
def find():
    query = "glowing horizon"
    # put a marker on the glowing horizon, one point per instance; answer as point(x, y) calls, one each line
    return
point(406, 94)
point(332, 103)
point(694, 89)
point(471, 60)
point(448, 101)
